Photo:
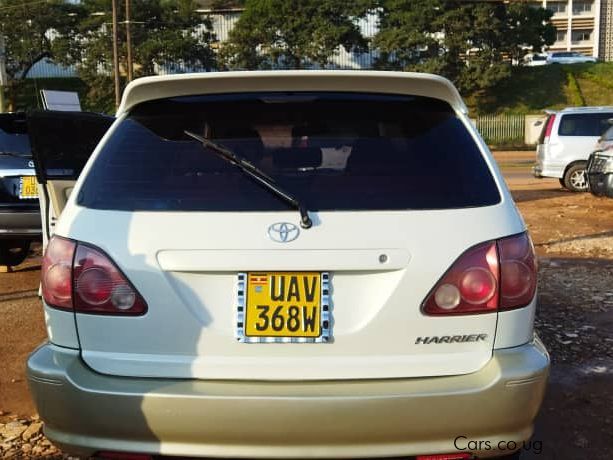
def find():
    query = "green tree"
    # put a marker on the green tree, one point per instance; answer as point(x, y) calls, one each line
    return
point(165, 34)
point(473, 44)
point(28, 29)
point(528, 27)
point(294, 33)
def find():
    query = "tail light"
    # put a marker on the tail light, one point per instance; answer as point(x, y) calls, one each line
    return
point(56, 272)
point(84, 279)
point(548, 128)
point(517, 271)
point(492, 276)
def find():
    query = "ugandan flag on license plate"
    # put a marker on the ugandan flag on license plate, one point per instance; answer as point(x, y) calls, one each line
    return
point(258, 279)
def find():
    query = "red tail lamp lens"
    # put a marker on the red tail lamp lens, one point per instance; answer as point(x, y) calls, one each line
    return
point(458, 456)
point(494, 275)
point(56, 272)
point(549, 127)
point(477, 286)
point(470, 285)
point(100, 287)
point(94, 285)
point(518, 271)
point(122, 456)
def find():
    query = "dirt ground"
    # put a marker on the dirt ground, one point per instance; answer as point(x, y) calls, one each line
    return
point(573, 236)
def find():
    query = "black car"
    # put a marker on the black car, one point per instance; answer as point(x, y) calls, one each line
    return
point(600, 173)
point(600, 165)
point(20, 222)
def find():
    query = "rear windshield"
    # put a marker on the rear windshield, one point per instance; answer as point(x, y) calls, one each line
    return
point(14, 143)
point(585, 124)
point(333, 151)
point(14, 135)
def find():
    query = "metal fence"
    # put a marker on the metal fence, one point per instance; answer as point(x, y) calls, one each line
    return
point(502, 129)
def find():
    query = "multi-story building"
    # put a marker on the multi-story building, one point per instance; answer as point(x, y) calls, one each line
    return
point(605, 46)
point(582, 25)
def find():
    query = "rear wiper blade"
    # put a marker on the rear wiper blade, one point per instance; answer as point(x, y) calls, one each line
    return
point(256, 174)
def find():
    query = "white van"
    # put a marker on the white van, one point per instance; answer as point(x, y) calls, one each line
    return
point(567, 139)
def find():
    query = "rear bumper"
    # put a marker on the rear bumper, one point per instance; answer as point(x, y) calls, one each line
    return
point(86, 412)
point(20, 224)
point(544, 169)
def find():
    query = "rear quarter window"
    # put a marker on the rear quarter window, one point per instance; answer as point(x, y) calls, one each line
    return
point(333, 151)
point(589, 124)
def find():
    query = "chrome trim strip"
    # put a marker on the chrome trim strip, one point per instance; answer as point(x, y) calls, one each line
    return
point(15, 173)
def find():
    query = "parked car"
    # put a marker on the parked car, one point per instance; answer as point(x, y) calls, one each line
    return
point(535, 59)
point(284, 264)
point(19, 210)
point(566, 141)
point(569, 57)
point(605, 142)
point(600, 165)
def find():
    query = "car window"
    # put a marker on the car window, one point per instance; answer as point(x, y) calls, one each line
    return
point(14, 134)
point(334, 151)
point(15, 143)
point(588, 124)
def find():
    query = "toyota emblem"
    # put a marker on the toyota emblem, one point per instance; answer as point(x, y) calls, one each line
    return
point(283, 232)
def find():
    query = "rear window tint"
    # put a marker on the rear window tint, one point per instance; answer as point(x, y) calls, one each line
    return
point(586, 124)
point(15, 143)
point(333, 151)
point(14, 134)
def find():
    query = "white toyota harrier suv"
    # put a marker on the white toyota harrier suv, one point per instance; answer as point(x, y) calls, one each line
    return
point(283, 264)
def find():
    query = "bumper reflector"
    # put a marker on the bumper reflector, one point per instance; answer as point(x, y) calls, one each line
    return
point(458, 456)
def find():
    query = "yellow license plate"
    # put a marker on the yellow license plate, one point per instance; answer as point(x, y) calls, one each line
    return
point(28, 187)
point(284, 307)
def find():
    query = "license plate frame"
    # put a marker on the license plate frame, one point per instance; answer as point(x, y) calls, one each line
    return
point(28, 181)
point(325, 314)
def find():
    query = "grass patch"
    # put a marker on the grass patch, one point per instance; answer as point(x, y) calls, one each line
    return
point(573, 91)
point(534, 89)
point(595, 93)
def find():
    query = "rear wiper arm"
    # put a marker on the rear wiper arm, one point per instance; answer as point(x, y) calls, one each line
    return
point(256, 174)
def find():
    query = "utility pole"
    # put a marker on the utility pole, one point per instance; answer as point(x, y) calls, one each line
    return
point(128, 41)
point(116, 56)
point(3, 79)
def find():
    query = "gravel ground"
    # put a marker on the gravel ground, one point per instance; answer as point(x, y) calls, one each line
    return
point(22, 438)
point(575, 311)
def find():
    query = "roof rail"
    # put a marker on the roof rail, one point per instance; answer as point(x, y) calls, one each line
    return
point(590, 109)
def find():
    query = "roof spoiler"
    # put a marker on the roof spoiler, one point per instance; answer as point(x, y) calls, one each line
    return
point(409, 83)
